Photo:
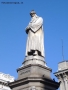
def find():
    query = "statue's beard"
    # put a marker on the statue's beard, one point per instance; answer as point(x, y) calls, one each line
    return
point(33, 18)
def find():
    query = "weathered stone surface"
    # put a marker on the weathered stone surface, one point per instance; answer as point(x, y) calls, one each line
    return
point(34, 70)
point(34, 75)
point(40, 83)
point(34, 60)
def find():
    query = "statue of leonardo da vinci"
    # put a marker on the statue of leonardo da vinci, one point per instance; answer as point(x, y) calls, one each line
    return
point(35, 39)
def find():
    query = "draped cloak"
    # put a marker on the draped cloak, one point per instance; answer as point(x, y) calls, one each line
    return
point(35, 39)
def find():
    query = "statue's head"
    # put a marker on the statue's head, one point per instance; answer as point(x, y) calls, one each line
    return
point(32, 13)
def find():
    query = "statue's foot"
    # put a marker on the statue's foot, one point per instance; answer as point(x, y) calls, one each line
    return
point(31, 52)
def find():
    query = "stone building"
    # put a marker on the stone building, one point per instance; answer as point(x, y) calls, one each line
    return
point(62, 75)
point(4, 80)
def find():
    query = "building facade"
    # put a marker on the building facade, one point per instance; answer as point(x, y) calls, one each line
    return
point(62, 75)
point(4, 80)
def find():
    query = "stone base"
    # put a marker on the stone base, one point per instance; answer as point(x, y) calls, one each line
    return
point(34, 75)
point(34, 83)
point(34, 60)
point(33, 70)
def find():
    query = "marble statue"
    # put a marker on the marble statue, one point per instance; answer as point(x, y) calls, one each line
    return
point(35, 40)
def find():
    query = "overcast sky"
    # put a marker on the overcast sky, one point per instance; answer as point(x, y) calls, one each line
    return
point(13, 20)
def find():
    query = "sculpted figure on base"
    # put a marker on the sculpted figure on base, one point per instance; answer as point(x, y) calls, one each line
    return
point(35, 40)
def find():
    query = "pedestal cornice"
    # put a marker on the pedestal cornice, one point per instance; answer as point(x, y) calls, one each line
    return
point(46, 81)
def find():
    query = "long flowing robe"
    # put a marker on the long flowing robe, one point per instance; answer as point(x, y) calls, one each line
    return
point(35, 40)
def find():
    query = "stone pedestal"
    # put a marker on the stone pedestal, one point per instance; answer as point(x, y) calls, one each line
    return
point(33, 70)
point(34, 75)
point(34, 60)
